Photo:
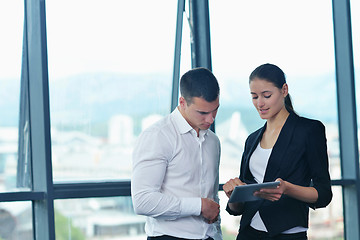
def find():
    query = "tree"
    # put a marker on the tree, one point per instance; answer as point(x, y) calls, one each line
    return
point(65, 230)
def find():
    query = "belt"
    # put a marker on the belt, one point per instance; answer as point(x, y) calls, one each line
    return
point(167, 237)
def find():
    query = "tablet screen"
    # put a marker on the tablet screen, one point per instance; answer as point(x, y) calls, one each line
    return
point(245, 193)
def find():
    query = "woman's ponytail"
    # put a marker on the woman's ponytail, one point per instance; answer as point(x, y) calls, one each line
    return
point(288, 104)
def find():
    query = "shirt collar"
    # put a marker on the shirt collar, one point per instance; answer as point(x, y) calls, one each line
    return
point(183, 125)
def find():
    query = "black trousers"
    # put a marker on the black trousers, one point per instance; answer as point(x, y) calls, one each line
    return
point(252, 234)
point(166, 237)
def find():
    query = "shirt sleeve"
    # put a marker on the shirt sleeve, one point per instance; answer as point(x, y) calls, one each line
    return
point(218, 235)
point(150, 159)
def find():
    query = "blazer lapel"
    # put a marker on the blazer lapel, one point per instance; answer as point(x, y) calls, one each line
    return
point(278, 151)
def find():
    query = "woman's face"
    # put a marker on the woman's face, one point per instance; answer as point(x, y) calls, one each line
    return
point(267, 98)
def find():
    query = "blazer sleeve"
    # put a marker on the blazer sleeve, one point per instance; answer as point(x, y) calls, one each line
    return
point(316, 151)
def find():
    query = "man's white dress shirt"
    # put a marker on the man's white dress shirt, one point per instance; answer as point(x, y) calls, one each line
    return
point(172, 170)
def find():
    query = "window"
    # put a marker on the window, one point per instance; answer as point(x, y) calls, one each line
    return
point(16, 220)
point(11, 27)
point(110, 67)
point(110, 76)
point(98, 218)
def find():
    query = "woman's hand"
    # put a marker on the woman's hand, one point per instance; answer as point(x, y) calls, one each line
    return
point(272, 194)
point(230, 185)
point(305, 194)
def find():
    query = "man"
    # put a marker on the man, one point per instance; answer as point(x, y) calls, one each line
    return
point(175, 177)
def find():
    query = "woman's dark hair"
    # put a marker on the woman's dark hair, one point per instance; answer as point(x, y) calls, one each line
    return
point(199, 82)
point(272, 73)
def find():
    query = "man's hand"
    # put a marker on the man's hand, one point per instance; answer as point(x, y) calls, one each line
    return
point(210, 210)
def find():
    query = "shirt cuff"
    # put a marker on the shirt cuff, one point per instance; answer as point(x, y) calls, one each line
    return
point(190, 207)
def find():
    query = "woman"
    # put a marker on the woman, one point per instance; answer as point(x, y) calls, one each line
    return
point(288, 148)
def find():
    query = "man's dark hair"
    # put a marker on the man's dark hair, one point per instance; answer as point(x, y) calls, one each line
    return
point(199, 82)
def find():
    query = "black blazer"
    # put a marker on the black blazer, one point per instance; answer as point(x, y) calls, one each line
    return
point(299, 156)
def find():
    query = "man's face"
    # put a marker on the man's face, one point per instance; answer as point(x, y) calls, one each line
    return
point(200, 114)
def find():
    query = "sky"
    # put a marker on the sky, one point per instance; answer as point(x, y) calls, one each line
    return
point(11, 29)
point(296, 35)
point(135, 36)
point(118, 36)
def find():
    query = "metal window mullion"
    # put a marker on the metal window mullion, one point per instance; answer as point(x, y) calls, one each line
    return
point(24, 175)
point(200, 30)
point(347, 116)
point(21, 196)
point(177, 54)
point(92, 189)
point(200, 39)
point(43, 210)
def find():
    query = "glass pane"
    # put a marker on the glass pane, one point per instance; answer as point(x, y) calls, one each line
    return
point(295, 35)
point(110, 73)
point(11, 28)
point(16, 220)
point(328, 223)
point(98, 218)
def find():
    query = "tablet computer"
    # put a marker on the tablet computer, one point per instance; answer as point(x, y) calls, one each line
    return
point(245, 193)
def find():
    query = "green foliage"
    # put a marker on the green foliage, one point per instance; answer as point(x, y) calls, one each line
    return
point(63, 227)
point(227, 235)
